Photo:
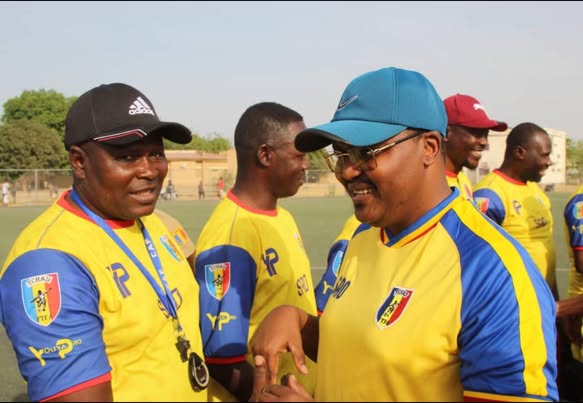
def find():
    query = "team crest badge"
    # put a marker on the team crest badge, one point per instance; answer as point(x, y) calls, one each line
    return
point(482, 204)
point(218, 279)
point(393, 307)
point(578, 210)
point(170, 247)
point(41, 297)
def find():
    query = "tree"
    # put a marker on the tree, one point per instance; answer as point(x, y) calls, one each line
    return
point(574, 160)
point(29, 144)
point(213, 143)
point(45, 106)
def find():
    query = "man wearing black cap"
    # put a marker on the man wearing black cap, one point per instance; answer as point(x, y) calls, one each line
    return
point(468, 126)
point(120, 312)
point(433, 301)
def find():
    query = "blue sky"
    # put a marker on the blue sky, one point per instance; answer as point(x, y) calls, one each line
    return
point(203, 63)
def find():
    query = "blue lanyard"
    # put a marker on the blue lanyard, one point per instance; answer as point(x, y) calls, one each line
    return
point(165, 296)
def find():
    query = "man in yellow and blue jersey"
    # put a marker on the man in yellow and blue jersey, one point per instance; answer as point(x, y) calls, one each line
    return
point(250, 255)
point(96, 296)
point(572, 373)
point(468, 126)
point(511, 196)
point(433, 302)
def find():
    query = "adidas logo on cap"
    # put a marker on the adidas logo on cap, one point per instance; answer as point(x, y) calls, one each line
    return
point(140, 107)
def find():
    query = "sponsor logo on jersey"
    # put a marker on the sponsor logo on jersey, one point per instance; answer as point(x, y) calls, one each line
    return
point(170, 247)
point(517, 206)
point(41, 297)
point(218, 279)
point(578, 210)
point(393, 307)
point(221, 319)
point(61, 348)
point(482, 203)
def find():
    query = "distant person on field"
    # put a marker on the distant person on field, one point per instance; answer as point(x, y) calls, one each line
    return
point(5, 192)
point(468, 126)
point(96, 297)
point(201, 192)
point(511, 196)
point(221, 187)
point(250, 256)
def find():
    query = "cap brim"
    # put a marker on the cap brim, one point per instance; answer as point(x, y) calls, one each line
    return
point(174, 132)
point(357, 133)
point(486, 124)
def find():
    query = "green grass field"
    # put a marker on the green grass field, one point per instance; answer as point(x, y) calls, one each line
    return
point(319, 220)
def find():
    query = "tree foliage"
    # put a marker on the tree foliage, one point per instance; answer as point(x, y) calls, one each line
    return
point(27, 144)
point(213, 144)
point(575, 159)
point(48, 107)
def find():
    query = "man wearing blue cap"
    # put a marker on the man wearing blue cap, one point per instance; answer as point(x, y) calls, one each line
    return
point(433, 301)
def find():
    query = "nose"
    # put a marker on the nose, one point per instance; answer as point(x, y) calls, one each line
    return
point(347, 171)
point(150, 168)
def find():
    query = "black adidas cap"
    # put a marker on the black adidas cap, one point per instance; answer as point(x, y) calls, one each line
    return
point(117, 114)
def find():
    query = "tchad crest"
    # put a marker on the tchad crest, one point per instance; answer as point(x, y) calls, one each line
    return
point(41, 297)
point(218, 279)
point(393, 306)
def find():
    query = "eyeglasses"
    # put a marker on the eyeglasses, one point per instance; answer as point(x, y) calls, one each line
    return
point(362, 158)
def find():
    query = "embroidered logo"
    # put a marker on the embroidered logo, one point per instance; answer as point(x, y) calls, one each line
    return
point(218, 279)
point(41, 297)
point(393, 307)
point(482, 203)
point(344, 104)
point(170, 247)
point(478, 106)
point(578, 210)
point(139, 107)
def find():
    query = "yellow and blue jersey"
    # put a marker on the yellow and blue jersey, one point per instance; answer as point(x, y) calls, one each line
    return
point(248, 262)
point(523, 210)
point(79, 311)
point(326, 284)
point(453, 308)
point(573, 215)
point(460, 181)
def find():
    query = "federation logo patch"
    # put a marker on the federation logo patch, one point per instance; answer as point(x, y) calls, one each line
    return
point(180, 236)
point(482, 203)
point(170, 247)
point(578, 210)
point(393, 307)
point(218, 279)
point(41, 297)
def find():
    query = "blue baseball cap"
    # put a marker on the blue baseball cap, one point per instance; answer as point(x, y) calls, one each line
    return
point(377, 106)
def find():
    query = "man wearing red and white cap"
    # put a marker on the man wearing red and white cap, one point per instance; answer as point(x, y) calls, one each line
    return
point(468, 126)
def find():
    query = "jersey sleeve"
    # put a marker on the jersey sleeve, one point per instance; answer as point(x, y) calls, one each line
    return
point(507, 344)
point(326, 284)
point(573, 215)
point(49, 305)
point(490, 204)
point(226, 275)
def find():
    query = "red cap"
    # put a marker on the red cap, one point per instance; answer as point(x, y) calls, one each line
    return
point(464, 110)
